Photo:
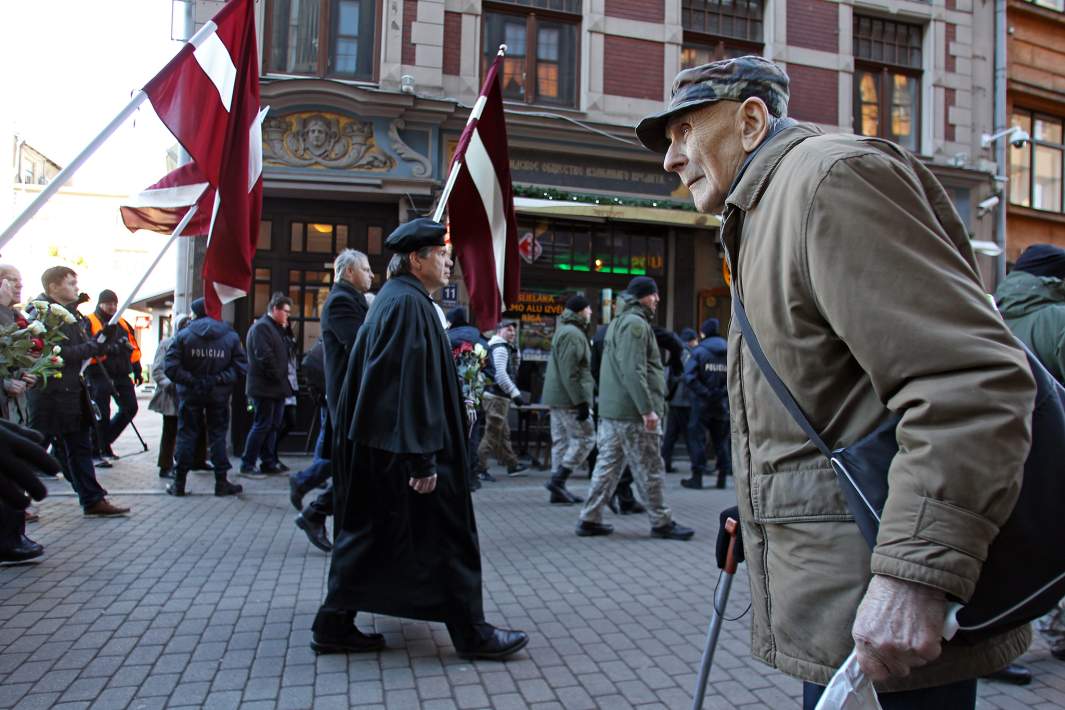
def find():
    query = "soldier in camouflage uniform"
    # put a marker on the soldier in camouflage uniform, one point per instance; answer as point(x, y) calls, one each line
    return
point(569, 390)
point(632, 389)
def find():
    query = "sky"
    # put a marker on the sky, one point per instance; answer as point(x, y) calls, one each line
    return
point(70, 66)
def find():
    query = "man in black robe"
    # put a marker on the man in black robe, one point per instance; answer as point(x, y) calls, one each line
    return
point(406, 539)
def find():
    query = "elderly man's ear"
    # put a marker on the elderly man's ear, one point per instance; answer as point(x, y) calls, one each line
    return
point(754, 123)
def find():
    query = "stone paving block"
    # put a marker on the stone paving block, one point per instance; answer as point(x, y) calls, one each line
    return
point(295, 697)
point(113, 699)
point(83, 689)
point(38, 701)
point(159, 683)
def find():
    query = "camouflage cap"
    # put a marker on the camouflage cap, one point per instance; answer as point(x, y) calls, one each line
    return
point(726, 80)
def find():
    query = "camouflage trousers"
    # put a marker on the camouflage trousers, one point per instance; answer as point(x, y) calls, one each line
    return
point(496, 439)
point(571, 440)
point(623, 442)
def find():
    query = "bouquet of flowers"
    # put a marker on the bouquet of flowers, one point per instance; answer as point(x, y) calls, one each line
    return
point(469, 361)
point(31, 344)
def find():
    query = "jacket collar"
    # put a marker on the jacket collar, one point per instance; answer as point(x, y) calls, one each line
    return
point(757, 171)
point(633, 305)
point(345, 285)
point(413, 282)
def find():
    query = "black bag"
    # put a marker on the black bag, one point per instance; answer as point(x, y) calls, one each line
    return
point(314, 366)
point(1024, 574)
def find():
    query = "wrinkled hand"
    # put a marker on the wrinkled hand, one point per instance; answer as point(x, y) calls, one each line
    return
point(23, 456)
point(423, 485)
point(14, 387)
point(899, 627)
point(650, 422)
point(29, 378)
point(582, 412)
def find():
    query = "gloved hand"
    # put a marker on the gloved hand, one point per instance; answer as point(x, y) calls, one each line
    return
point(582, 412)
point(138, 375)
point(723, 538)
point(899, 627)
point(519, 399)
point(23, 456)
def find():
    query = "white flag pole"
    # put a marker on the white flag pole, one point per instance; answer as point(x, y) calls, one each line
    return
point(173, 238)
point(475, 114)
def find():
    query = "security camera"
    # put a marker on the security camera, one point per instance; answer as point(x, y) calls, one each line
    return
point(989, 203)
point(1019, 138)
point(1016, 135)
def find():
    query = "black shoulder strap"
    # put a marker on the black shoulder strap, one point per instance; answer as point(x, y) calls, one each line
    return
point(771, 375)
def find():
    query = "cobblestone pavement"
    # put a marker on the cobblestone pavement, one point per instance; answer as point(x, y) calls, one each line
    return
point(207, 602)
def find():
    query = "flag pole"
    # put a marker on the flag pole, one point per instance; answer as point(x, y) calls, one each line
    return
point(65, 174)
point(173, 238)
point(457, 165)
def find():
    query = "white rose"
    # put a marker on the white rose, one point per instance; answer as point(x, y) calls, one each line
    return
point(36, 327)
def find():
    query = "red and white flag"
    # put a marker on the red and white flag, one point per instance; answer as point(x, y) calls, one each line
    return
point(480, 210)
point(208, 96)
point(162, 206)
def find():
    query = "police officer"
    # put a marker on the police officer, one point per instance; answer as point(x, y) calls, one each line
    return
point(204, 360)
point(705, 375)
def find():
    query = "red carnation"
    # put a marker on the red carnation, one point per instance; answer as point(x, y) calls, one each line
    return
point(37, 343)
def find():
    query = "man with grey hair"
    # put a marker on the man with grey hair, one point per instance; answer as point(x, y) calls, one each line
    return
point(343, 313)
point(837, 244)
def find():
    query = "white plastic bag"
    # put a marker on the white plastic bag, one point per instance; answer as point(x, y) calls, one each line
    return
point(849, 689)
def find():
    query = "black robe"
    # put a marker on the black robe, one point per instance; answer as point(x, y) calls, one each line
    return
point(399, 412)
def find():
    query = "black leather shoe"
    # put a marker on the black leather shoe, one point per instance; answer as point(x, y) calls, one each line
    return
point(634, 507)
point(25, 551)
point(672, 531)
point(349, 641)
point(559, 494)
point(315, 533)
point(166, 473)
point(692, 483)
point(272, 469)
point(499, 644)
point(588, 529)
point(1014, 673)
point(295, 494)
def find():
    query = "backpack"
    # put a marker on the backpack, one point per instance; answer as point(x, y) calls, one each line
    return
point(314, 366)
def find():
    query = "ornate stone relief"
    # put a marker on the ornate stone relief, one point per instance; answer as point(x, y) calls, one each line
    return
point(421, 166)
point(328, 140)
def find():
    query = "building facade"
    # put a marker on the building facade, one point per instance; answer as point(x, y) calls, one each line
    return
point(368, 98)
point(1036, 101)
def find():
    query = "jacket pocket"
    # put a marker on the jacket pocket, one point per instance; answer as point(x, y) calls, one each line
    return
point(807, 495)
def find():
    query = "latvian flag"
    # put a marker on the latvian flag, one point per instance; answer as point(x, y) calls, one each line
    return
point(163, 207)
point(480, 209)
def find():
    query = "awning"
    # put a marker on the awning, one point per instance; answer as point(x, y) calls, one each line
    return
point(603, 212)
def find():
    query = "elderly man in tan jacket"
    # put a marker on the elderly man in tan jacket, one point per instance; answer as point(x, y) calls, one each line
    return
point(858, 279)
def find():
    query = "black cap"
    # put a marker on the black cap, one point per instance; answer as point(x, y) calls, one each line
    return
point(642, 286)
point(107, 296)
point(457, 317)
point(577, 303)
point(415, 234)
point(1042, 260)
point(710, 327)
point(687, 335)
point(198, 308)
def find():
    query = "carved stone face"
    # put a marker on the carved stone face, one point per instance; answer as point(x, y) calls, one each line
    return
point(317, 136)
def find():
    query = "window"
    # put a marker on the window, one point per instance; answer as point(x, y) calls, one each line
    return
point(602, 250)
point(333, 38)
point(887, 80)
point(720, 29)
point(1036, 167)
point(1058, 5)
point(540, 65)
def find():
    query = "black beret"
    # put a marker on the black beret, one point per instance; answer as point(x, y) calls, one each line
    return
point(642, 286)
point(1042, 260)
point(577, 303)
point(415, 234)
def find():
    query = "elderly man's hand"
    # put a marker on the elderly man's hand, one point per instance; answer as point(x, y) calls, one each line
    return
point(423, 485)
point(899, 627)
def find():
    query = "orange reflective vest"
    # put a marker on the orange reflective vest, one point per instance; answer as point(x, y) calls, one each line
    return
point(97, 326)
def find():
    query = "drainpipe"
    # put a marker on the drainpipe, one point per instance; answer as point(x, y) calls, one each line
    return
point(185, 283)
point(1001, 122)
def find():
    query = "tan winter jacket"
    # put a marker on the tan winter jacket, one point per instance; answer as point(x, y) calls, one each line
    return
point(860, 284)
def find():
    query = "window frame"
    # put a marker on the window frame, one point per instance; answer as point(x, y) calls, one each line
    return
point(326, 37)
point(1029, 148)
point(532, 16)
point(883, 72)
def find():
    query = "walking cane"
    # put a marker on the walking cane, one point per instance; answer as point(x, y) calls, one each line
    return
point(724, 585)
point(139, 437)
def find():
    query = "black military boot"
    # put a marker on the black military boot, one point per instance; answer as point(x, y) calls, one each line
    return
point(557, 486)
point(696, 480)
point(177, 487)
point(222, 486)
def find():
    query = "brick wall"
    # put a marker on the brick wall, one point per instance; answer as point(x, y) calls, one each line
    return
point(814, 94)
point(647, 10)
point(453, 43)
point(410, 14)
point(814, 24)
point(949, 62)
point(633, 67)
point(949, 97)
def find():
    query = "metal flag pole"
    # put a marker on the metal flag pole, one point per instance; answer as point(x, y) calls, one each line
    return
point(475, 114)
point(158, 257)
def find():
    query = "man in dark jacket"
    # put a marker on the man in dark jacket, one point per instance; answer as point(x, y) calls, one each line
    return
point(62, 411)
point(705, 375)
point(679, 400)
point(267, 386)
point(204, 360)
point(109, 375)
point(343, 313)
point(406, 536)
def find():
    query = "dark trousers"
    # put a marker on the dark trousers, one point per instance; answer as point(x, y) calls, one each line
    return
point(103, 389)
point(168, 442)
point(74, 451)
point(192, 415)
point(319, 471)
point(956, 696)
point(676, 427)
point(288, 423)
point(12, 526)
point(720, 437)
point(262, 437)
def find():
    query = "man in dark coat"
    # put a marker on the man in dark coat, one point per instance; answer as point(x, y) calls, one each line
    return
point(204, 360)
point(342, 315)
point(705, 375)
point(267, 386)
point(62, 411)
point(406, 539)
